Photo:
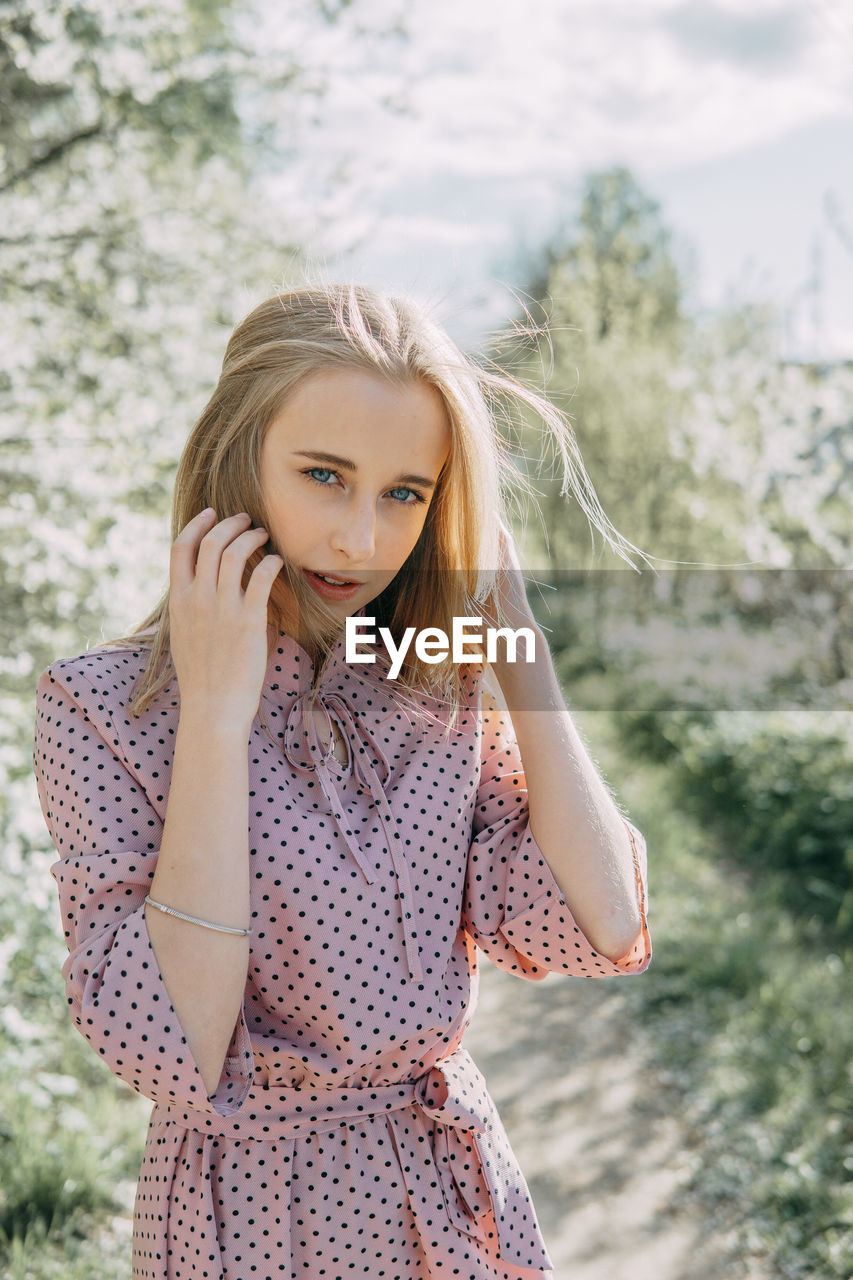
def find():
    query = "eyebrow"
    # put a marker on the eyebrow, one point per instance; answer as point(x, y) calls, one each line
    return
point(348, 465)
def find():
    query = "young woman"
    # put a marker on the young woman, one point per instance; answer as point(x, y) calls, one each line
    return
point(275, 865)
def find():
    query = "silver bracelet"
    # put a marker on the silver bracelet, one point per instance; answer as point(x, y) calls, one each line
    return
point(223, 928)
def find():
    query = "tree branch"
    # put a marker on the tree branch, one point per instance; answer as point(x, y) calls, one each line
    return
point(53, 153)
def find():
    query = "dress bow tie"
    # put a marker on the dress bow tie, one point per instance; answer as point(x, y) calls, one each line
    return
point(305, 751)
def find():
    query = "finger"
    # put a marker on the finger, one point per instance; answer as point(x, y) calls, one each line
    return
point(232, 564)
point(212, 546)
point(263, 576)
point(182, 556)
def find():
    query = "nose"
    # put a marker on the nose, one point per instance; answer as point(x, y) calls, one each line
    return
point(355, 536)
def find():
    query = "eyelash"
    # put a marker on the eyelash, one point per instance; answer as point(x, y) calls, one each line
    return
point(399, 488)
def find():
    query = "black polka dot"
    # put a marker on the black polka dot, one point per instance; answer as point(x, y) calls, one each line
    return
point(350, 1133)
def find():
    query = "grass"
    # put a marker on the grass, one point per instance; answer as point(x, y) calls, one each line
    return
point(84, 1249)
point(71, 1141)
point(747, 1014)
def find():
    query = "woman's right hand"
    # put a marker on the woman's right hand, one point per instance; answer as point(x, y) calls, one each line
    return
point(219, 631)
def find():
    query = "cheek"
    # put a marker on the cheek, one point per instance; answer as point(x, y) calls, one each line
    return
point(288, 526)
point(420, 523)
point(404, 538)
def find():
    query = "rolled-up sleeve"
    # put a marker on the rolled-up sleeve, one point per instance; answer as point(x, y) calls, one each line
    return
point(513, 907)
point(107, 834)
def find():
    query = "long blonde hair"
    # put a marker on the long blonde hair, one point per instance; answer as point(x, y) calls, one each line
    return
point(304, 331)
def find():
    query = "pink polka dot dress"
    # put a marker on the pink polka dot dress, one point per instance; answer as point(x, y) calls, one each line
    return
point(351, 1134)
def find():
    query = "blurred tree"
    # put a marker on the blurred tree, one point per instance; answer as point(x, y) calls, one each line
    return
point(778, 430)
point(703, 446)
point(777, 436)
point(135, 229)
point(612, 295)
point(121, 164)
point(619, 268)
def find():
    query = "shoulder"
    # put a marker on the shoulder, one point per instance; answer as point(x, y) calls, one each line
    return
point(101, 666)
point(100, 680)
point(89, 693)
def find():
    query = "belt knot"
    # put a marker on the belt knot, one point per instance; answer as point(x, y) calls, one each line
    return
point(475, 1168)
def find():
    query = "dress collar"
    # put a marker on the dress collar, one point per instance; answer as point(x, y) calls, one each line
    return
point(357, 702)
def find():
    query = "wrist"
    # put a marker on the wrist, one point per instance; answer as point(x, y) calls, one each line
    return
point(204, 724)
point(533, 685)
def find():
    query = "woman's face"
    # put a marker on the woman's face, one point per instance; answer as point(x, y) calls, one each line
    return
point(348, 470)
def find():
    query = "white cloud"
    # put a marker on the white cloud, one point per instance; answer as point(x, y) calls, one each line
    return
point(514, 87)
point(399, 230)
point(459, 128)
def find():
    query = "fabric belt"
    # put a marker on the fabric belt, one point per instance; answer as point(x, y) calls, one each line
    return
point(476, 1168)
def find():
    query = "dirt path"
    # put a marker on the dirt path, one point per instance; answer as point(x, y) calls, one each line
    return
point(608, 1165)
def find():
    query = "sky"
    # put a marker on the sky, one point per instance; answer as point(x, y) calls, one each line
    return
point(452, 144)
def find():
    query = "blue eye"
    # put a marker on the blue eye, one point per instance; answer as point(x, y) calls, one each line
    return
point(411, 496)
point(405, 501)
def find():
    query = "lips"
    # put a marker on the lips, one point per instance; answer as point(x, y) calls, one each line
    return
point(337, 590)
point(334, 580)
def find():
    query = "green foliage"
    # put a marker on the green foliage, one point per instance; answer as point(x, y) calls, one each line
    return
point(70, 1135)
point(80, 1249)
point(703, 445)
point(743, 1010)
point(611, 292)
point(48, 1172)
point(612, 266)
point(776, 786)
point(775, 437)
point(127, 245)
point(745, 1016)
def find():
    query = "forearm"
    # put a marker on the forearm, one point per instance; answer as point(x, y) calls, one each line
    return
point(573, 817)
point(203, 869)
